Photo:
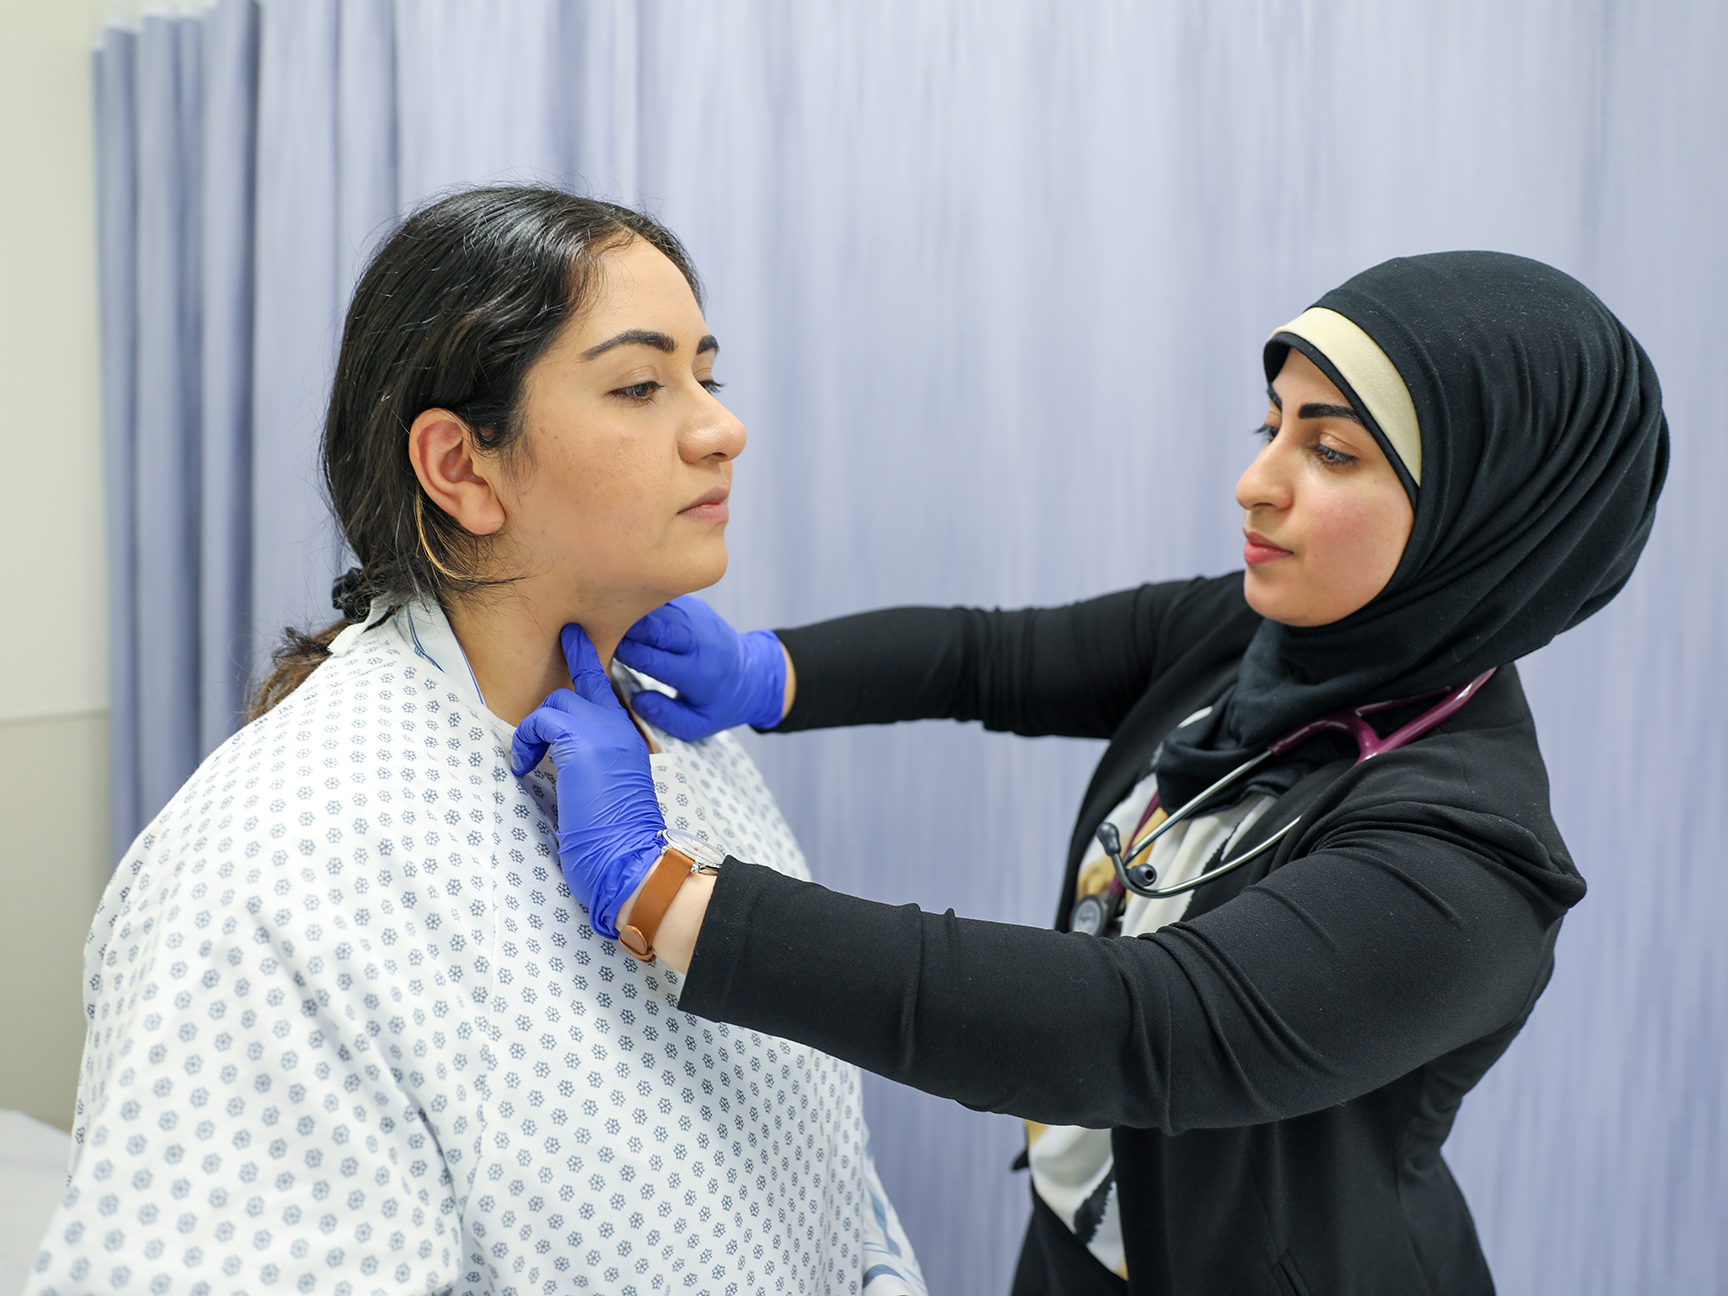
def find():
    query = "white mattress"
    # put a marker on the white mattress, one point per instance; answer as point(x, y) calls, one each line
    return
point(33, 1159)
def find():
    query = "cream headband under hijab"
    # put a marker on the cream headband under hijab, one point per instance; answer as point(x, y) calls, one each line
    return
point(1369, 377)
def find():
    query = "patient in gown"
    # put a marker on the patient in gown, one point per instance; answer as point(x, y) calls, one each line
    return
point(348, 1032)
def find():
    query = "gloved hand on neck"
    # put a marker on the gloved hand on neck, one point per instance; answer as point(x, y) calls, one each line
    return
point(609, 821)
point(724, 679)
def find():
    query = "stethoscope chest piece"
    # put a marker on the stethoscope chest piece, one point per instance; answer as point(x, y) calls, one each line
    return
point(1092, 914)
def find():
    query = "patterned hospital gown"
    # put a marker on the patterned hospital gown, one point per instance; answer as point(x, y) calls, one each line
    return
point(349, 1033)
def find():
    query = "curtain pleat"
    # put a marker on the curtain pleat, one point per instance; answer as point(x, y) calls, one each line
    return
point(366, 76)
point(114, 68)
point(230, 74)
point(169, 426)
point(991, 278)
point(297, 280)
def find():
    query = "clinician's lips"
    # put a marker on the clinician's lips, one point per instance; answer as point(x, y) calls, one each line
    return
point(1257, 550)
point(710, 506)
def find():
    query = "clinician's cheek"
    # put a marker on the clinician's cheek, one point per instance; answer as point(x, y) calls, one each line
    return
point(1358, 545)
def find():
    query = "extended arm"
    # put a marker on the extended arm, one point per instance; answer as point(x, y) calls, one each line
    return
point(1400, 927)
point(1335, 975)
point(1073, 670)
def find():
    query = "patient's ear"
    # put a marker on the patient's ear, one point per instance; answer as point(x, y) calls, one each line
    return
point(453, 475)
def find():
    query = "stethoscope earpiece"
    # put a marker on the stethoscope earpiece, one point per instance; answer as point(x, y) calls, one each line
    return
point(1109, 839)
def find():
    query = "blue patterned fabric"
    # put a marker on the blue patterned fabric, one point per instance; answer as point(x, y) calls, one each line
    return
point(349, 1032)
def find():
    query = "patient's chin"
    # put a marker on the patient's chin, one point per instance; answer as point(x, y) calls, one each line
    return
point(708, 569)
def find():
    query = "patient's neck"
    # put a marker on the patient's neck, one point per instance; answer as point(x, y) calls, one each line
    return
point(513, 649)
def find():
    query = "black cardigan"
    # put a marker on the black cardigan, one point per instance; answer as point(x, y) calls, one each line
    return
point(1281, 1067)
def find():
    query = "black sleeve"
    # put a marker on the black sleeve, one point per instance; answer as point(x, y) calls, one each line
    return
point(1344, 969)
point(1073, 671)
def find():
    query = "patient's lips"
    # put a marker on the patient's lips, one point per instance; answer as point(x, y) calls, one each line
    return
point(710, 506)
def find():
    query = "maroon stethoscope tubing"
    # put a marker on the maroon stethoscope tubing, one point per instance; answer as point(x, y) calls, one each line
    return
point(1351, 720)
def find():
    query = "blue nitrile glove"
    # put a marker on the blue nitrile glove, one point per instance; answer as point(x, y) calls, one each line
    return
point(609, 822)
point(724, 679)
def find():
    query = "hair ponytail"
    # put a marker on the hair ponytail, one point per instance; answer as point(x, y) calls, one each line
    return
point(296, 656)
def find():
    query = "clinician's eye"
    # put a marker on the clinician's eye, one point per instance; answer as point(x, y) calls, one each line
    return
point(637, 393)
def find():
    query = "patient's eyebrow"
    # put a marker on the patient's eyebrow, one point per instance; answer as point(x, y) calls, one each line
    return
point(648, 338)
point(632, 337)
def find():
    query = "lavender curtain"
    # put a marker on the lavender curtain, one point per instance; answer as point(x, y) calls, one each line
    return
point(991, 280)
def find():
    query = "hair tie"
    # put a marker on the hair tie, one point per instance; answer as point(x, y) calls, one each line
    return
point(348, 594)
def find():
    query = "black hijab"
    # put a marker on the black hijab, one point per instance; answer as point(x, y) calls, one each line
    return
point(1542, 451)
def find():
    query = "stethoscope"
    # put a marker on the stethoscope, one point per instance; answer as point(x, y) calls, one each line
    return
point(1093, 914)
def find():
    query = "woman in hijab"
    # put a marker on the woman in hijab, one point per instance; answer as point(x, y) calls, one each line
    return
point(1463, 454)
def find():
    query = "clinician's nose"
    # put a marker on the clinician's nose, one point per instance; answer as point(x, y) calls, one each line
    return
point(1265, 483)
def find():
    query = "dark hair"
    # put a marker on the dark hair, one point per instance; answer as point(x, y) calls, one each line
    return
point(451, 313)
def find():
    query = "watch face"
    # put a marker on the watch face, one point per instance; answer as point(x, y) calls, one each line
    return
point(704, 853)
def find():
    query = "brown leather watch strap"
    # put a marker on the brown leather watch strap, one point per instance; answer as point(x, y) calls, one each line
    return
point(664, 879)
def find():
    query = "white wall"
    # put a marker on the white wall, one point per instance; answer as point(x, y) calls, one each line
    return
point(53, 688)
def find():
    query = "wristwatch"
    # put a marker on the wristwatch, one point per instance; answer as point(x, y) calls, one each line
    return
point(685, 856)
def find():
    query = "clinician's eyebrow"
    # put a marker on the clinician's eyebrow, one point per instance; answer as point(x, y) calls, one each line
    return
point(1316, 409)
point(647, 338)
